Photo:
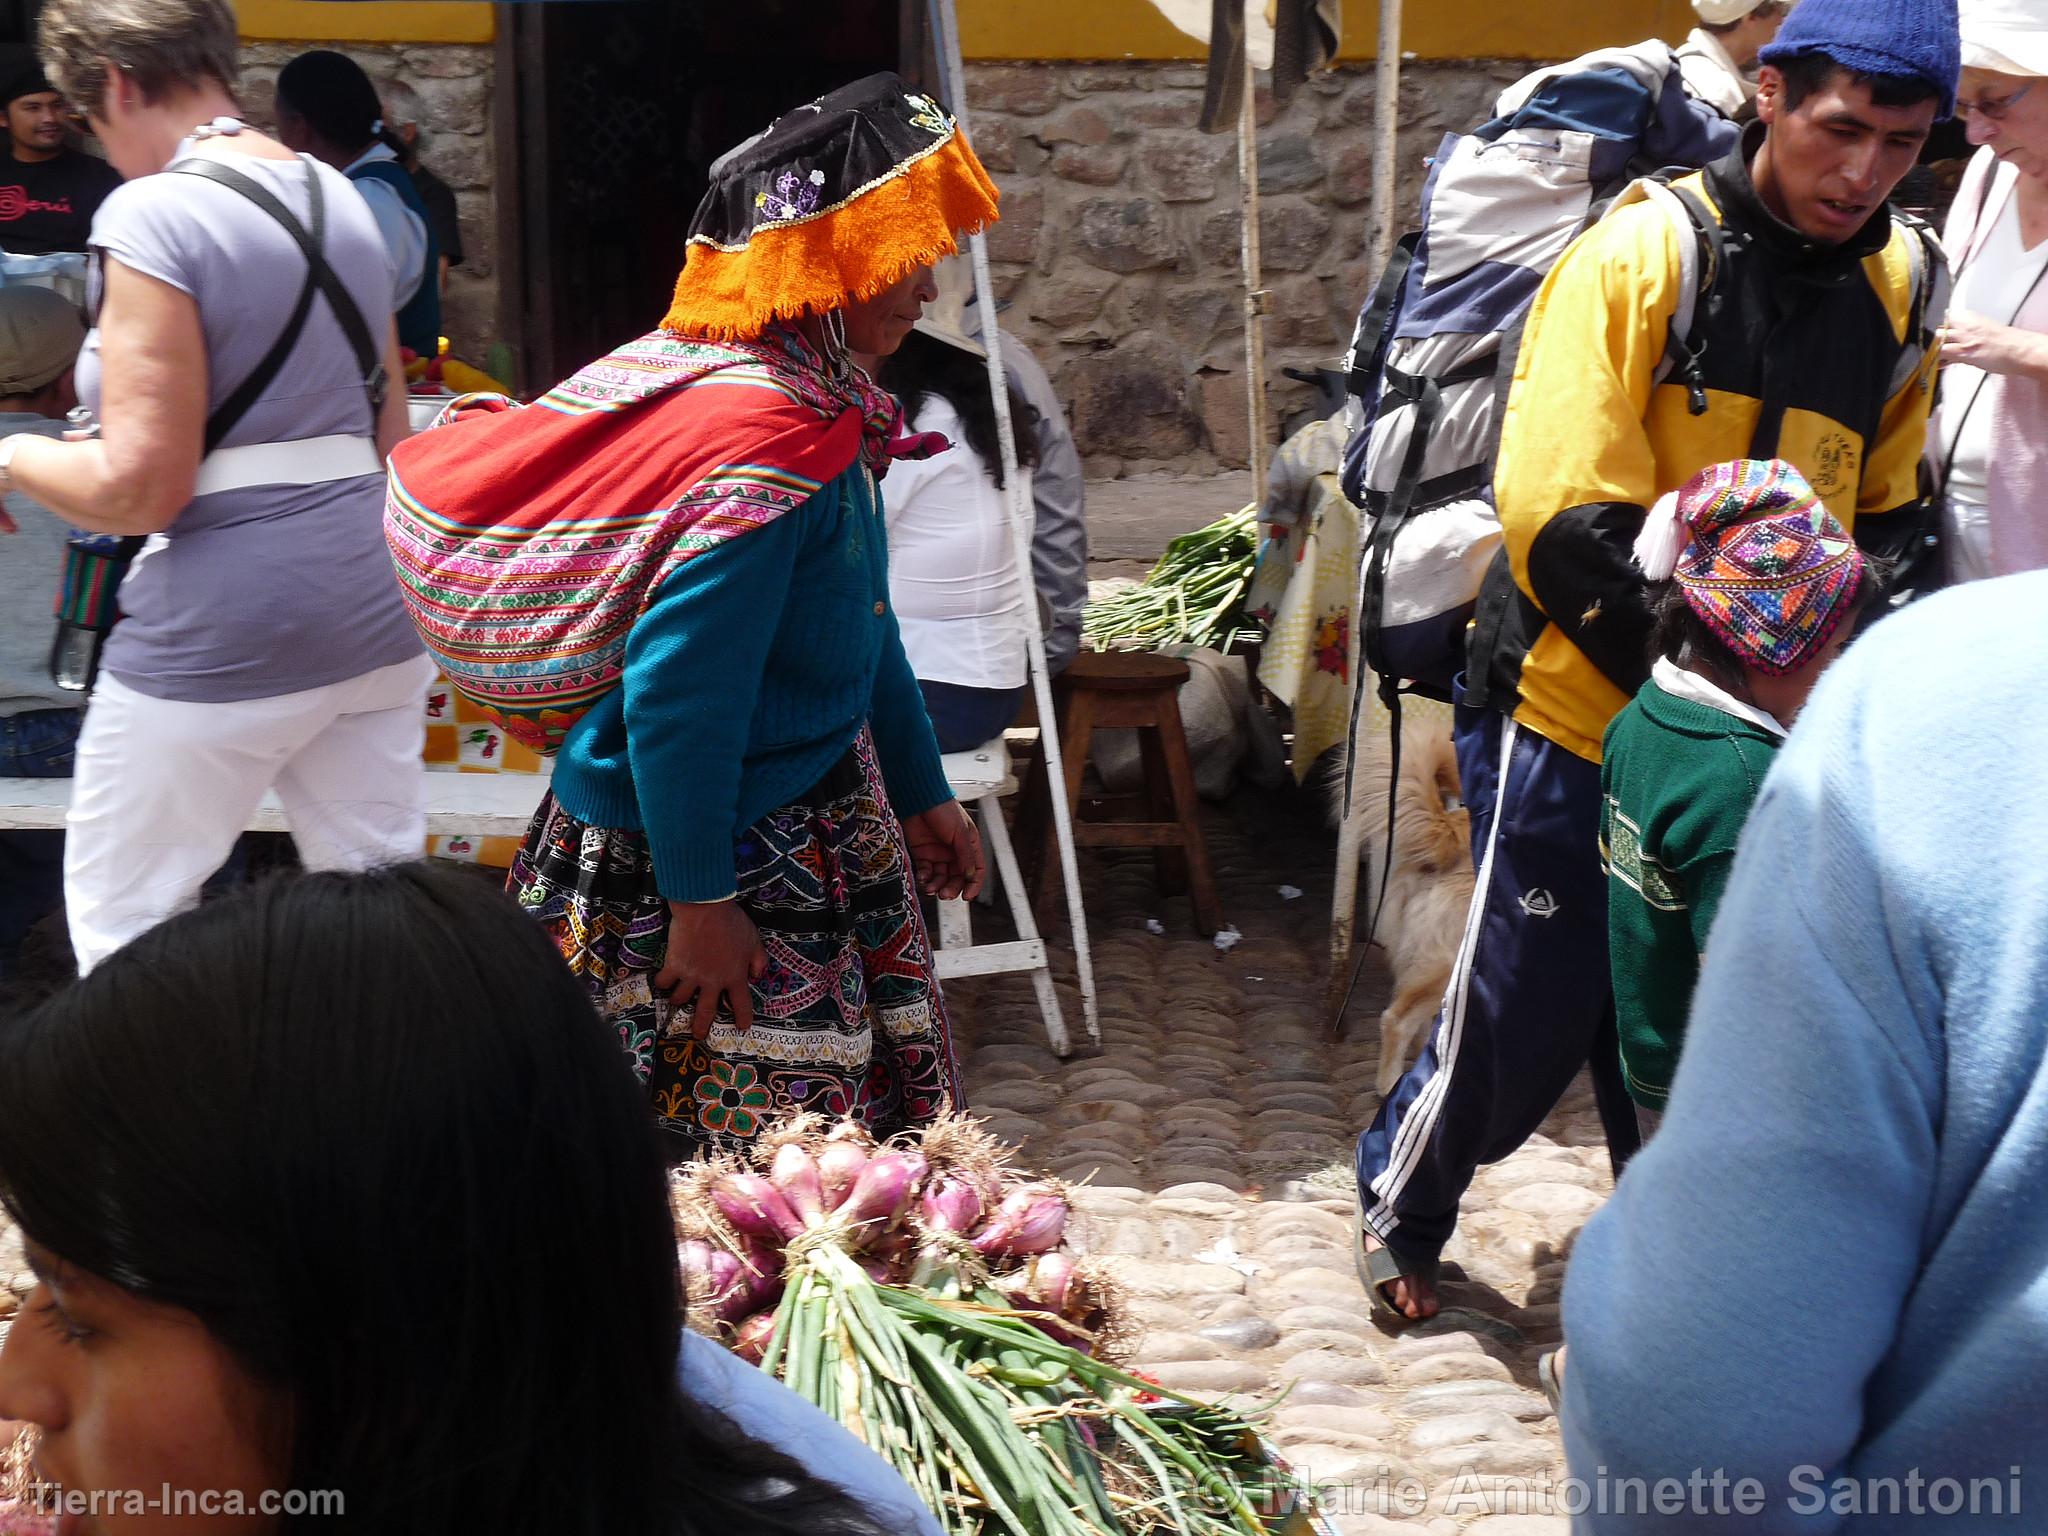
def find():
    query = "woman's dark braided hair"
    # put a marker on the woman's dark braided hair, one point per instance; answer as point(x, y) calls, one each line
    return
point(338, 101)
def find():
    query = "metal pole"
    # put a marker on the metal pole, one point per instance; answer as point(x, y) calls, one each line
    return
point(1255, 296)
point(1022, 517)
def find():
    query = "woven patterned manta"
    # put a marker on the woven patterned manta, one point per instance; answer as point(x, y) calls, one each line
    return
point(528, 540)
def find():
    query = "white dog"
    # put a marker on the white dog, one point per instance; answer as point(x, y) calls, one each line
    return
point(1429, 885)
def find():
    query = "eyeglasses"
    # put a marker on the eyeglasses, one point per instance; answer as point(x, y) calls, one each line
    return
point(1992, 108)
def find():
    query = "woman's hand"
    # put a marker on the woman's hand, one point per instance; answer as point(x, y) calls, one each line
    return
point(714, 950)
point(946, 851)
point(1984, 343)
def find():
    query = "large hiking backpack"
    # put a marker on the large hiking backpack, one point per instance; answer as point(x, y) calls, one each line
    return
point(1433, 352)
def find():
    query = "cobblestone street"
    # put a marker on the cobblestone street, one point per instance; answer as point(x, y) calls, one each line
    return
point(1214, 1133)
point(1214, 1129)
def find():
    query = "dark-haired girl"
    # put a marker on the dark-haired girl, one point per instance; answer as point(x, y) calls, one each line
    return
point(328, 108)
point(344, 1215)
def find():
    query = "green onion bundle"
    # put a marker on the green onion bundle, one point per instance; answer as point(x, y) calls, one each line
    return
point(1194, 596)
point(922, 1298)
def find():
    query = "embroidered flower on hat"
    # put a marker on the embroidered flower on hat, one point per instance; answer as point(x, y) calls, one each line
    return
point(928, 114)
point(794, 197)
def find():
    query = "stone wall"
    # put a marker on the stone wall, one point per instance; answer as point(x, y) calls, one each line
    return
point(454, 82)
point(1119, 243)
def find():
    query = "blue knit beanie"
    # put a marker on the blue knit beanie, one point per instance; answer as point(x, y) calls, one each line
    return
point(1899, 39)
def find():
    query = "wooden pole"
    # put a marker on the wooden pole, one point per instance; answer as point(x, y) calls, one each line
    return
point(1386, 113)
point(1255, 296)
point(1386, 121)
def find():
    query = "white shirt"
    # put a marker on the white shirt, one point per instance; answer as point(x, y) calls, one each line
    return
point(952, 568)
point(1993, 282)
point(1684, 683)
point(404, 232)
point(1711, 74)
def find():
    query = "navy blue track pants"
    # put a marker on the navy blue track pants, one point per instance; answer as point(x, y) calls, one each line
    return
point(1529, 1001)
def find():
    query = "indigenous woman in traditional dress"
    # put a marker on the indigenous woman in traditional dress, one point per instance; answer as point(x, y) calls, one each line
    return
point(727, 854)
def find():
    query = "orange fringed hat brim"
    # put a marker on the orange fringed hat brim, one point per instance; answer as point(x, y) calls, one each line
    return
point(813, 267)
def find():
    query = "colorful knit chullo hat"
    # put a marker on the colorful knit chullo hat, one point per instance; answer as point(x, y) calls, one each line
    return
point(835, 201)
point(1759, 558)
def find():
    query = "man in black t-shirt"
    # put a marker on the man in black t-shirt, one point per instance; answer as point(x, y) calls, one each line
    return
point(48, 190)
point(402, 112)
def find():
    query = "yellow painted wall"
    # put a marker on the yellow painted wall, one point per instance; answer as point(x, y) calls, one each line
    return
point(1432, 29)
point(371, 21)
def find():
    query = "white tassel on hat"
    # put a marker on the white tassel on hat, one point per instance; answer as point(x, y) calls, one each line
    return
point(1663, 538)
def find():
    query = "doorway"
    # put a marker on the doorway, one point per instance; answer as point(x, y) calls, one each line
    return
point(620, 108)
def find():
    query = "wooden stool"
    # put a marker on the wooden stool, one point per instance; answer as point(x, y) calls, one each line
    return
point(1106, 689)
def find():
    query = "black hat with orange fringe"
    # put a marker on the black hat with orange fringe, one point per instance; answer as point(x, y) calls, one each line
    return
point(834, 202)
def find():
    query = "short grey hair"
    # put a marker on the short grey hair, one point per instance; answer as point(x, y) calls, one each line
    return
point(402, 105)
point(160, 44)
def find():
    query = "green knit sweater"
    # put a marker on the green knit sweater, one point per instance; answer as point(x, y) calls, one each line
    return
point(1677, 780)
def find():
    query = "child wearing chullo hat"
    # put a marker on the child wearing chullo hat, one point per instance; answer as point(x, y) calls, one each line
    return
point(1762, 587)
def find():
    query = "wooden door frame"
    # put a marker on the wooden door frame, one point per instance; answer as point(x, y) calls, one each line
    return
point(520, 191)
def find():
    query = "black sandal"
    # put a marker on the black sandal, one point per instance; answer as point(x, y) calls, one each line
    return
point(1380, 1267)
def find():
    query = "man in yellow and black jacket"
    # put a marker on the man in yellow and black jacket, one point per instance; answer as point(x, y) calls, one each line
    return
point(1809, 344)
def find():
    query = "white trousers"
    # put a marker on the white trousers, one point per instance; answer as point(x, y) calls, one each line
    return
point(163, 787)
point(1966, 541)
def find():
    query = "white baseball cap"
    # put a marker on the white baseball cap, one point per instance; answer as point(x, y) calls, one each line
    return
point(1721, 13)
point(946, 317)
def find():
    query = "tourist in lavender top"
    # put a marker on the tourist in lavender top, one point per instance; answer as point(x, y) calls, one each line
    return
point(262, 644)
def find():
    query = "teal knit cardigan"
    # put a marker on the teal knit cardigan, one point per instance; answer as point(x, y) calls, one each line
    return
point(747, 677)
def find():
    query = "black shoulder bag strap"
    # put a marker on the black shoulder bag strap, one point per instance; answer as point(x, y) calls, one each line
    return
point(320, 278)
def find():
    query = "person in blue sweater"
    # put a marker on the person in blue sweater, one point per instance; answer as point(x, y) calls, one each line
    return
point(1825, 1273)
point(732, 848)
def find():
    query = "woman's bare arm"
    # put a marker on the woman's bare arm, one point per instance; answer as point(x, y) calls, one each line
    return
point(394, 422)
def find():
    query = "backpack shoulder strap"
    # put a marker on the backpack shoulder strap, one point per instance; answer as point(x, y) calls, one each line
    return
point(1929, 284)
point(320, 276)
point(1702, 249)
point(1369, 340)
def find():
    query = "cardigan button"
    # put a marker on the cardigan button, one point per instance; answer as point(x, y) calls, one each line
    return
point(880, 609)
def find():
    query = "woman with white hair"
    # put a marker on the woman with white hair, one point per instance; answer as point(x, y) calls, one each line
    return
point(1717, 60)
point(243, 367)
point(1990, 432)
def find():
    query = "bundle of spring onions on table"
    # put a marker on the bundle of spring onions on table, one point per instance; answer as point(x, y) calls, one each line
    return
point(1193, 596)
point(920, 1292)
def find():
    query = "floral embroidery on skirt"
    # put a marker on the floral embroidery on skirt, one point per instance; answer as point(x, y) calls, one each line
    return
point(848, 1019)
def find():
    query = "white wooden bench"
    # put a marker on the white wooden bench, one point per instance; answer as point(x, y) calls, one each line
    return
point(475, 804)
point(502, 805)
point(980, 778)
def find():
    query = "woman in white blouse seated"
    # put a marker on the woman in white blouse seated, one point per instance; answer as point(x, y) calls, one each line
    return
point(952, 569)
